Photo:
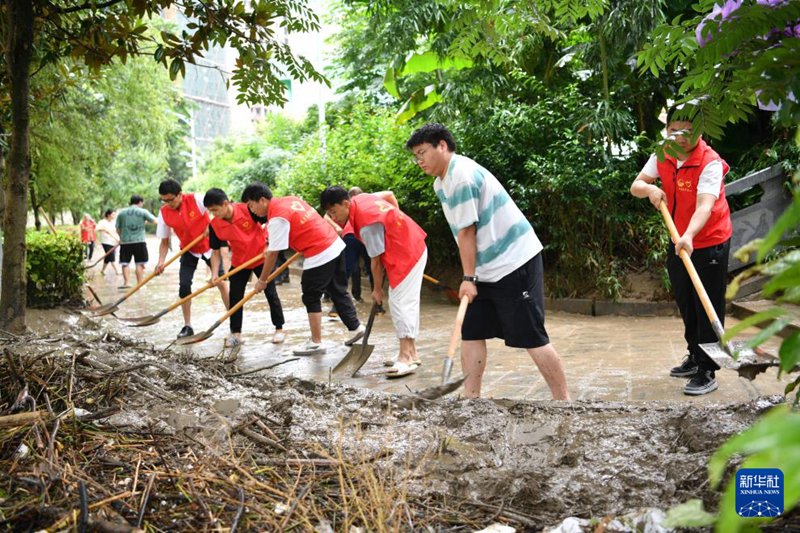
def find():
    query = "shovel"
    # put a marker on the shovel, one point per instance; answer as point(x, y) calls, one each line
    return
point(149, 320)
point(359, 353)
point(449, 292)
point(200, 337)
point(714, 350)
point(451, 349)
point(111, 251)
point(110, 308)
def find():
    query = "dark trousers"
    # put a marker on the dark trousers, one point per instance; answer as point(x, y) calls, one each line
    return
point(332, 279)
point(187, 270)
point(89, 249)
point(712, 266)
point(353, 253)
point(238, 284)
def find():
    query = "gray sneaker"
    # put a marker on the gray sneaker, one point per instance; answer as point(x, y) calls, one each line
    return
point(686, 369)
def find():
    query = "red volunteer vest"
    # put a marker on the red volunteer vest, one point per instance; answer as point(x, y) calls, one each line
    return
point(405, 240)
point(309, 233)
point(245, 236)
point(680, 185)
point(187, 222)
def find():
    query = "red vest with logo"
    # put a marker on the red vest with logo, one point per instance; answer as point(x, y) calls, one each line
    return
point(309, 233)
point(245, 236)
point(404, 239)
point(187, 222)
point(680, 186)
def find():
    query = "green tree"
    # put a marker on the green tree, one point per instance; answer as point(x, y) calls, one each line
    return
point(40, 32)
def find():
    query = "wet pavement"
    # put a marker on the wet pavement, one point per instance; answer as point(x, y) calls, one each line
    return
point(610, 358)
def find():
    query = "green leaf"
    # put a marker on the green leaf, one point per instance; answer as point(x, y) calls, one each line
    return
point(418, 101)
point(790, 352)
point(430, 61)
point(390, 82)
point(689, 514)
point(787, 222)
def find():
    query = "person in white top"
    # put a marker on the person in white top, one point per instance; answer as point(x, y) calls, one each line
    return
point(109, 239)
point(500, 258)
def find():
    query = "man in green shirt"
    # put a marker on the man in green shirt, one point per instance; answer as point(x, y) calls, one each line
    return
point(130, 226)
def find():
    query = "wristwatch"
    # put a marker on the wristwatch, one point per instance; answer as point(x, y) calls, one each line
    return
point(471, 279)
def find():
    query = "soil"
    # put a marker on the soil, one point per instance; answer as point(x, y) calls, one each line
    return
point(455, 462)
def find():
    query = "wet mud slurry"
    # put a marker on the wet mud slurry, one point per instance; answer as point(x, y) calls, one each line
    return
point(528, 463)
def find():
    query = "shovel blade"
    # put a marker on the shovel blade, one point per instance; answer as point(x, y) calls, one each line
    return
point(431, 393)
point(447, 368)
point(146, 321)
point(361, 359)
point(105, 309)
point(724, 355)
point(356, 353)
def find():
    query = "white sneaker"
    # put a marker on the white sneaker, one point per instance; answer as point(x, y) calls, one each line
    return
point(279, 337)
point(309, 348)
point(356, 335)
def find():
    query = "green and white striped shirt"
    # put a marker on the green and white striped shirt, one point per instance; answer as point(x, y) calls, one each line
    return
point(470, 194)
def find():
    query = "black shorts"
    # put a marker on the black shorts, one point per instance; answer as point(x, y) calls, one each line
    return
point(511, 309)
point(135, 250)
point(110, 257)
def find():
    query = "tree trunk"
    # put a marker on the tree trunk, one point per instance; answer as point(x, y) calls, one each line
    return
point(19, 50)
point(35, 208)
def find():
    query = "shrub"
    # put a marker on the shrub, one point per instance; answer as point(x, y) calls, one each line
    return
point(54, 266)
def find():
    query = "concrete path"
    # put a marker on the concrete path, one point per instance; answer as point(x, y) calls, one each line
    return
point(612, 358)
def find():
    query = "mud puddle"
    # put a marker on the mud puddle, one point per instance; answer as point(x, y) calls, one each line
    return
point(526, 463)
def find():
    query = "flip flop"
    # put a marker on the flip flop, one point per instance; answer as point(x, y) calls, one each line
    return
point(398, 370)
point(391, 362)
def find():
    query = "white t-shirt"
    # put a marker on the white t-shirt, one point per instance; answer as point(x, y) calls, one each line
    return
point(710, 178)
point(278, 229)
point(107, 226)
point(470, 194)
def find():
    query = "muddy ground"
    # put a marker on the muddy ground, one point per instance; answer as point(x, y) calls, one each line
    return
point(282, 453)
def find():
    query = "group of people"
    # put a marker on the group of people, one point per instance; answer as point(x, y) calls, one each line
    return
point(499, 251)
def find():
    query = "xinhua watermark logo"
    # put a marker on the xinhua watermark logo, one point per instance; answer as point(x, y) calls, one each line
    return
point(759, 492)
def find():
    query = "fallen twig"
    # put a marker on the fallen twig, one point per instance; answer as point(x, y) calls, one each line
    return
point(259, 369)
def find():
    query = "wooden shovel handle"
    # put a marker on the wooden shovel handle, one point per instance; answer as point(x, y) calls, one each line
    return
point(252, 293)
point(169, 262)
point(687, 262)
point(462, 310)
point(208, 285)
point(431, 279)
point(47, 219)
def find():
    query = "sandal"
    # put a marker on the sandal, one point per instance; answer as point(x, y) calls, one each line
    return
point(398, 370)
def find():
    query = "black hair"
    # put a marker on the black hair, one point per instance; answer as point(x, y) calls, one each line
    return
point(332, 195)
point(107, 213)
point(256, 191)
point(136, 199)
point(169, 187)
point(431, 133)
point(214, 197)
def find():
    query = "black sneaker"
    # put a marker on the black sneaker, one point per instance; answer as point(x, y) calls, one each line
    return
point(686, 369)
point(703, 382)
point(187, 331)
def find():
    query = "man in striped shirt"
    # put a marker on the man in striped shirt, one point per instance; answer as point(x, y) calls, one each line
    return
point(500, 257)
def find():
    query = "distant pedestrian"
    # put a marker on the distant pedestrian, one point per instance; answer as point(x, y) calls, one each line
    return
point(692, 185)
point(109, 238)
point(88, 234)
point(130, 225)
point(500, 256)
